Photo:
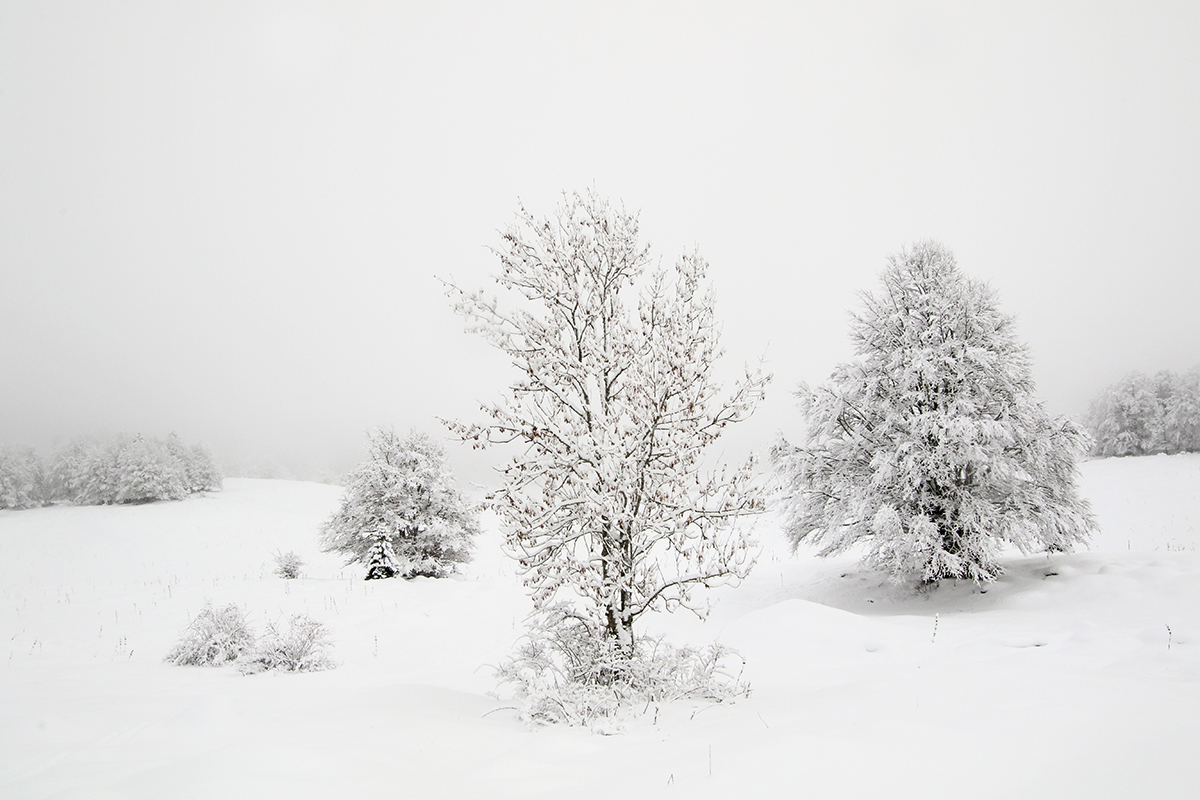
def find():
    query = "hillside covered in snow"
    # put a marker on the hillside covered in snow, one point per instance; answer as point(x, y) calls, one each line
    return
point(1074, 675)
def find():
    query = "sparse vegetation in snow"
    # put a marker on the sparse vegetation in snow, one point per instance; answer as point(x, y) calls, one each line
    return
point(216, 637)
point(567, 672)
point(302, 646)
point(222, 636)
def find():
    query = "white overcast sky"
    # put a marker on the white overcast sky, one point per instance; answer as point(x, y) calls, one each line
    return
point(227, 219)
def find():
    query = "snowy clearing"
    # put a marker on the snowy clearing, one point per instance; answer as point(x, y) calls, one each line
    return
point(1073, 676)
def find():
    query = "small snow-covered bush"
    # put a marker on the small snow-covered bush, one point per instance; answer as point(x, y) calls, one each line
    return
point(287, 565)
point(215, 637)
point(301, 647)
point(567, 673)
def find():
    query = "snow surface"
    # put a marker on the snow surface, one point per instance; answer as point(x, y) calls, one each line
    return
point(1060, 680)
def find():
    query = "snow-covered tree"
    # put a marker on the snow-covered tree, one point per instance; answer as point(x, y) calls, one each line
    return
point(203, 474)
point(68, 470)
point(130, 469)
point(400, 514)
point(1181, 418)
point(613, 406)
point(147, 472)
point(22, 480)
point(197, 469)
point(381, 559)
point(1126, 420)
point(1142, 415)
point(930, 448)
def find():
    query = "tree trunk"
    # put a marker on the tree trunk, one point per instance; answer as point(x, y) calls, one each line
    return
point(618, 622)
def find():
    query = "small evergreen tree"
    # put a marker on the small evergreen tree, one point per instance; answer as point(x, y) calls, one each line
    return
point(401, 515)
point(930, 447)
point(381, 560)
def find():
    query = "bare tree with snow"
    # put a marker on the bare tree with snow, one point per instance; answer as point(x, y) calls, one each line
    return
point(604, 504)
point(930, 448)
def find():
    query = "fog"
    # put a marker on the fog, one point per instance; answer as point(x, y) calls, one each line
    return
point(231, 220)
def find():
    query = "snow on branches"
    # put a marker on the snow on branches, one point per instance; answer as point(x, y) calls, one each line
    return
point(1141, 415)
point(613, 407)
point(22, 478)
point(931, 447)
point(129, 469)
point(401, 515)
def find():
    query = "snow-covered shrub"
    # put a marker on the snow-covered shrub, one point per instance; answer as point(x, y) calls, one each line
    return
point(287, 565)
point(22, 480)
point(400, 514)
point(568, 672)
point(1143, 415)
point(215, 637)
point(931, 448)
point(300, 647)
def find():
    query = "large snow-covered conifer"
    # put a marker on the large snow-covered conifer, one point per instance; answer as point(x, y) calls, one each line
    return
point(604, 503)
point(400, 514)
point(930, 448)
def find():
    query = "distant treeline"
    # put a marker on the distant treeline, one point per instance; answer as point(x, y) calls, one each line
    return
point(1147, 414)
point(122, 469)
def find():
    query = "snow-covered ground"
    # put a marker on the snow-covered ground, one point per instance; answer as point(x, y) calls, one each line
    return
point(1073, 676)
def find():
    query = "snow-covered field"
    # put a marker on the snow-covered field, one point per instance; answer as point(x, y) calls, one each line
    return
point(1073, 676)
